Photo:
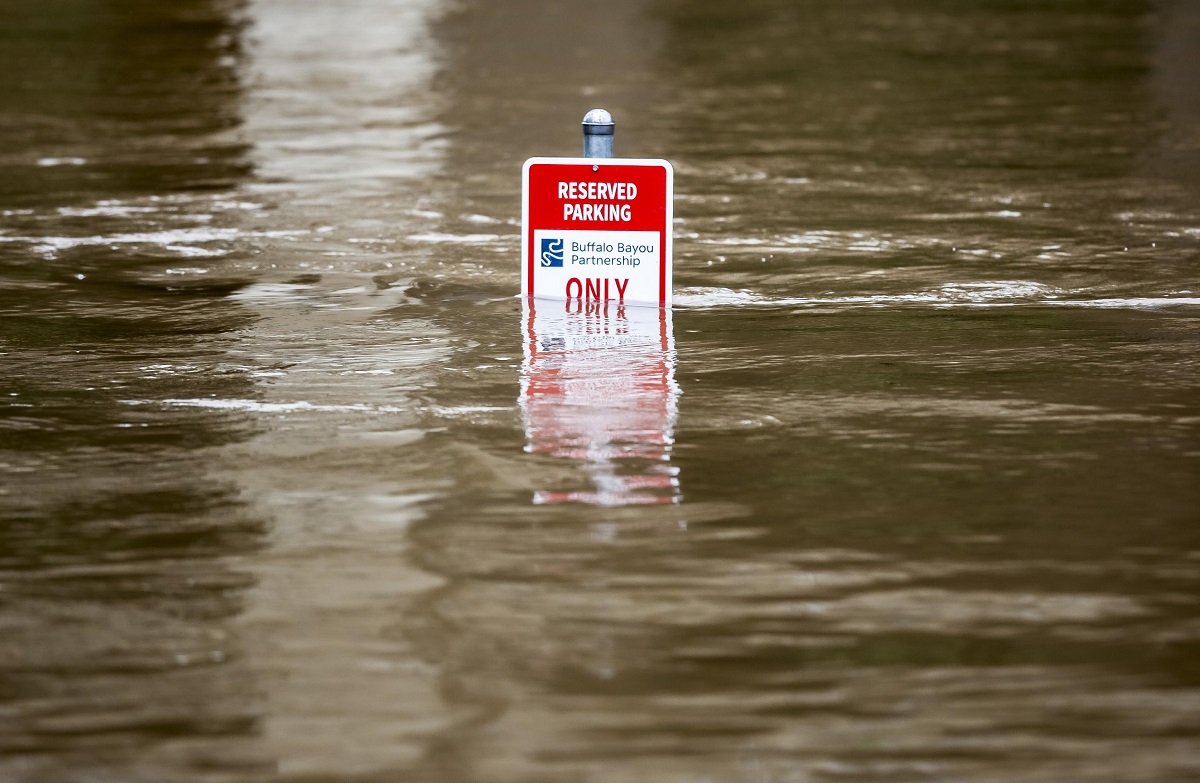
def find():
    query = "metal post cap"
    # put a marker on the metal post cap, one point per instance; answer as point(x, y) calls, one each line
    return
point(598, 122)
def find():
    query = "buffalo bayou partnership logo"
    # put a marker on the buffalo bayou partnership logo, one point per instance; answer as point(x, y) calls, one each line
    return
point(611, 253)
point(552, 252)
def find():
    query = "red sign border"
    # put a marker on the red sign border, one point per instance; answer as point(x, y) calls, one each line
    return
point(666, 257)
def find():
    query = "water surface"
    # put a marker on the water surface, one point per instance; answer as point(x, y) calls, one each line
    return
point(295, 488)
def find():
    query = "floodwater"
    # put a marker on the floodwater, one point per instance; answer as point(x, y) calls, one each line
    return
point(906, 487)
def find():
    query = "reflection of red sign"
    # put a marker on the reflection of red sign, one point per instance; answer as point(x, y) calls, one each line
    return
point(598, 385)
point(597, 229)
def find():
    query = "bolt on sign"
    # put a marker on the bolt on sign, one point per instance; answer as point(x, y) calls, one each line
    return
point(597, 229)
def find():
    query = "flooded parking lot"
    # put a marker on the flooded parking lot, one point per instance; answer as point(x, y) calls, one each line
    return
point(294, 487)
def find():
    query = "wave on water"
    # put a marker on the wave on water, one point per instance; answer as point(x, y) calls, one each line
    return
point(183, 241)
point(469, 239)
point(1135, 302)
point(256, 406)
point(998, 293)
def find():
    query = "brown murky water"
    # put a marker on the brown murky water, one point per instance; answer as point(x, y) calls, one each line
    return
point(906, 487)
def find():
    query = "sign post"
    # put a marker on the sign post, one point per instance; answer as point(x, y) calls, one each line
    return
point(597, 229)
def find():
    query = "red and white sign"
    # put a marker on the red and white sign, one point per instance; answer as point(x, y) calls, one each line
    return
point(597, 229)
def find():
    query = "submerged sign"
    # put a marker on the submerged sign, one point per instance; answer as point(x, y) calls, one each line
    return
point(597, 229)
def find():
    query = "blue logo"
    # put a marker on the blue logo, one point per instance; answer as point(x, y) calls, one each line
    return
point(552, 252)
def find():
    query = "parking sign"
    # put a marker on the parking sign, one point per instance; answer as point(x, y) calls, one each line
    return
point(597, 229)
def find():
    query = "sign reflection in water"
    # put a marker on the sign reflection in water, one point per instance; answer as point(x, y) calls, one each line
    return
point(598, 385)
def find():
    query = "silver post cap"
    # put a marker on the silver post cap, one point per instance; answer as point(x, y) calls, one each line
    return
point(598, 122)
